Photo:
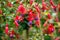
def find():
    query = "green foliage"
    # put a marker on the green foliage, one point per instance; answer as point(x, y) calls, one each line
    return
point(47, 37)
point(59, 15)
point(9, 14)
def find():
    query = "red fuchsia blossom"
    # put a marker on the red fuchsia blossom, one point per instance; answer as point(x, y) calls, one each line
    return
point(34, 15)
point(16, 23)
point(11, 35)
point(30, 16)
point(21, 9)
point(0, 11)
point(21, 18)
point(31, 1)
point(50, 28)
point(37, 23)
point(37, 8)
point(9, 4)
point(36, 18)
point(56, 19)
point(13, 32)
point(57, 38)
point(53, 5)
point(16, 18)
point(49, 16)
point(44, 5)
point(54, 8)
point(31, 13)
point(59, 7)
point(6, 29)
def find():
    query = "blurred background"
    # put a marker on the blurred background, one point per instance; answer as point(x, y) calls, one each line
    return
point(29, 19)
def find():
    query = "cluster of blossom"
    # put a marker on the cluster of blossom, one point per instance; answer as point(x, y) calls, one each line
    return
point(33, 15)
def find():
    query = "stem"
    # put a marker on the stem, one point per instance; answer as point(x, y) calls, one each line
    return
point(42, 37)
point(27, 34)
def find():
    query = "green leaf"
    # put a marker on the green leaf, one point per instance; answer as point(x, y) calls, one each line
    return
point(59, 15)
point(47, 37)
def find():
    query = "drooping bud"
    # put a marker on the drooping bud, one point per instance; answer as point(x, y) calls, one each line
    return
point(49, 16)
point(0, 11)
point(16, 23)
point(6, 29)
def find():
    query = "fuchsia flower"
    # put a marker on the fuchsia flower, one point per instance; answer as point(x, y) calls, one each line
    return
point(37, 23)
point(37, 8)
point(6, 29)
point(16, 23)
point(34, 15)
point(50, 28)
point(51, 2)
point(11, 33)
point(9, 4)
point(53, 6)
point(59, 7)
point(49, 16)
point(21, 18)
point(16, 18)
point(30, 16)
point(44, 5)
point(38, 20)
point(21, 9)
point(57, 20)
point(57, 38)
point(31, 1)
point(0, 11)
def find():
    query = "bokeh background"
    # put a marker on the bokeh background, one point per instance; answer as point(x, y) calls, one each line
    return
point(29, 19)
